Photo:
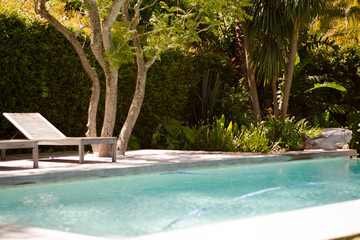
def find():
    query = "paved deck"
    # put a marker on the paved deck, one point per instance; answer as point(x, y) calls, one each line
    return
point(325, 222)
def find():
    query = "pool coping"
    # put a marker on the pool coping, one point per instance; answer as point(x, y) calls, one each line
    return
point(324, 222)
point(152, 161)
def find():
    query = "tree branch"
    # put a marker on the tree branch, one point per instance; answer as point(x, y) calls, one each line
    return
point(148, 6)
point(80, 29)
point(151, 60)
point(205, 29)
point(136, 18)
point(125, 11)
point(109, 22)
point(41, 10)
point(96, 36)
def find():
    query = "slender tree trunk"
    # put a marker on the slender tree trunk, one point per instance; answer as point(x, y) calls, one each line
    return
point(290, 68)
point(143, 67)
point(92, 113)
point(137, 100)
point(101, 42)
point(110, 111)
point(251, 79)
point(242, 53)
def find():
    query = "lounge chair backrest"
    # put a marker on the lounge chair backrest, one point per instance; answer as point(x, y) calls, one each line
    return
point(34, 126)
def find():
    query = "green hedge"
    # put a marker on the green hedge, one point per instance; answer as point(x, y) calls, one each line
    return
point(40, 72)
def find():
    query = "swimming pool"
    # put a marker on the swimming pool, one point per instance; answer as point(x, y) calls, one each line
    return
point(136, 205)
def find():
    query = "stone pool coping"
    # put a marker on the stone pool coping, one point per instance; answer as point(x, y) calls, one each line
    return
point(324, 222)
point(62, 166)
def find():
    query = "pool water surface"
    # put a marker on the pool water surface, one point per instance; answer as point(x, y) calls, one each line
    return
point(142, 204)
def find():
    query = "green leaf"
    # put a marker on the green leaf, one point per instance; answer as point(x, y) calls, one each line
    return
point(332, 85)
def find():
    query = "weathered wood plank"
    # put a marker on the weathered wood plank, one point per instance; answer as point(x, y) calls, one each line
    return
point(16, 144)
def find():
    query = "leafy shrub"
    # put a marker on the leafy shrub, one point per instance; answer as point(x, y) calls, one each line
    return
point(267, 136)
point(218, 137)
point(285, 135)
point(254, 139)
point(170, 134)
point(340, 66)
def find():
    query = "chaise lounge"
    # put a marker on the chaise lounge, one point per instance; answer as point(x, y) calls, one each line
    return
point(35, 127)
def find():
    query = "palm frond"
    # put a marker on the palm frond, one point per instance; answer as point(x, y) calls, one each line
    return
point(332, 85)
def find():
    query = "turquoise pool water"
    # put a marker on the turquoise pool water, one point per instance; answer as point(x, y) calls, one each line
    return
point(136, 205)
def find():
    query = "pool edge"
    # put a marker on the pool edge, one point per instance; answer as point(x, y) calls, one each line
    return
point(184, 160)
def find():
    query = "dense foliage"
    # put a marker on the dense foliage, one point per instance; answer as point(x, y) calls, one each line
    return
point(194, 98)
point(40, 72)
point(267, 136)
point(337, 105)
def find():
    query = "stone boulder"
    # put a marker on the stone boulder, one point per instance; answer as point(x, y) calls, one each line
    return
point(330, 139)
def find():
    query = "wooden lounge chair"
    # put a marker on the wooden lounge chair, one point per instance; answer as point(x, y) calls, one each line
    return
point(35, 127)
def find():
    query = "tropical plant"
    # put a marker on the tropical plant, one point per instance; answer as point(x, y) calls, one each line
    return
point(217, 97)
point(171, 134)
point(268, 136)
point(218, 136)
point(274, 30)
point(340, 21)
point(333, 71)
point(254, 139)
point(299, 12)
point(211, 90)
point(285, 135)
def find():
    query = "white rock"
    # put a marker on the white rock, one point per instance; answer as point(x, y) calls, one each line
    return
point(330, 139)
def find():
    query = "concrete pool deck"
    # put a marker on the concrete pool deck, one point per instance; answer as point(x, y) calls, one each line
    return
point(324, 222)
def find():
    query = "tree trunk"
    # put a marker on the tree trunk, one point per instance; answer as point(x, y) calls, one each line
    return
point(110, 111)
point(92, 113)
point(101, 42)
point(137, 100)
point(251, 79)
point(242, 52)
point(290, 68)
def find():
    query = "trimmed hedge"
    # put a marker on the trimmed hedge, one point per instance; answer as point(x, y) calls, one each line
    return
point(40, 72)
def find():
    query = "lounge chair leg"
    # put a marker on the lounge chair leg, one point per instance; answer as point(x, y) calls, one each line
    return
point(35, 153)
point(3, 152)
point(114, 151)
point(81, 152)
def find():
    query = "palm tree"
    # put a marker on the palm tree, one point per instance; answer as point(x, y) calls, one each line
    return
point(267, 33)
point(340, 21)
point(273, 34)
point(298, 12)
